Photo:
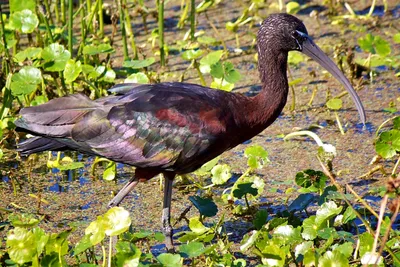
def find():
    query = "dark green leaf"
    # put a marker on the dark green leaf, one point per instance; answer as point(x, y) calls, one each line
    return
point(260, 219)
point(243, 189)
point(301, 202)
point(206, 206)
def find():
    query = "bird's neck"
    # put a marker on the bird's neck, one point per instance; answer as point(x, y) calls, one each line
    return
point(265, 107)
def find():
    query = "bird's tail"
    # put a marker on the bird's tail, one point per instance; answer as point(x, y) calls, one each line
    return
point(56, 118)
point(52, 122)
point(38, 144)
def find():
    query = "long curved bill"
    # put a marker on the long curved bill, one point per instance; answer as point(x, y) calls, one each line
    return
point(313, 51)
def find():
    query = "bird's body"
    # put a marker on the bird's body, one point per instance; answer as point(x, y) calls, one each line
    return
point(174, 128)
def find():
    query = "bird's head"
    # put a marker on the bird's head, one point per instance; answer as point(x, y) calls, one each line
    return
point(281, 33)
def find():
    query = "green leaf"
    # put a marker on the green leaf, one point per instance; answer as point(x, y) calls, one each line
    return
point(98, 49)
point(137, 78)
point(192, 54)
point(206, 206)
point(349, 215)
point(82, 245)
point(396, 38)
point(24, 21)
point(18, 5)
point(334, 103)
point(310, 178)
point(56, 57)
point(382, 46)
point(260, 219)
point(287, 235)
point(221, 84)
point(304, 247)
point(327, 211)
point(346, 249)
point(243, 189)
point(396, 123)
point(25, 81)
point(170, 260)
point(138, 64)
point(310, 228)
point(21, 245)
point(220, 174)
point(127, 254)
point(110, 171)
point(249, 240)
point(210, 59)
point(217, 70)
point(70, 166)
point(207, 167)
point(191, 250)
point(72, 70)
point(366, 43)
point(366, 243)
point(272, 255)
point(30, 52)
point(96, 230)
point(196, 226)
point(257, 156)
point(207, 40)
point(295, 58)
point(118, 221)
point(388, 143)
point(1, 154)
point(327, 233)
point(292, 7)
point(58, 243)
point(231, 75)
point(333, 259)
point(301, 202)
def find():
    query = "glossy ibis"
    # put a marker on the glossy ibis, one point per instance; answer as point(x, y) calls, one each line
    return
point(174, 128)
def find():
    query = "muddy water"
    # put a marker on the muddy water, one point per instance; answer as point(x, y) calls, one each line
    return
point(78, 198)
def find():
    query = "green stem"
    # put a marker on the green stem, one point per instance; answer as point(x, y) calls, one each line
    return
point(293, 105)
point(395, 167)
point(160, 4)
point(184, 13)
point(101, 19)
point(57, 11)
point(46, 23)
point(7, 66)
point(129, 31)
point(197, 67)
point(47, 5)
point(63, 12)
point(192, 20)
point(123, 31)
point(339, 123)
point(89, 9)
point(70, 25)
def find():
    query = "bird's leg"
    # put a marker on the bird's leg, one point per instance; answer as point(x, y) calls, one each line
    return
point(123, 192)
point(166, 215)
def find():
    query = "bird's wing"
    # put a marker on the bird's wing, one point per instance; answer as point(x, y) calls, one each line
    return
point(155, 125)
